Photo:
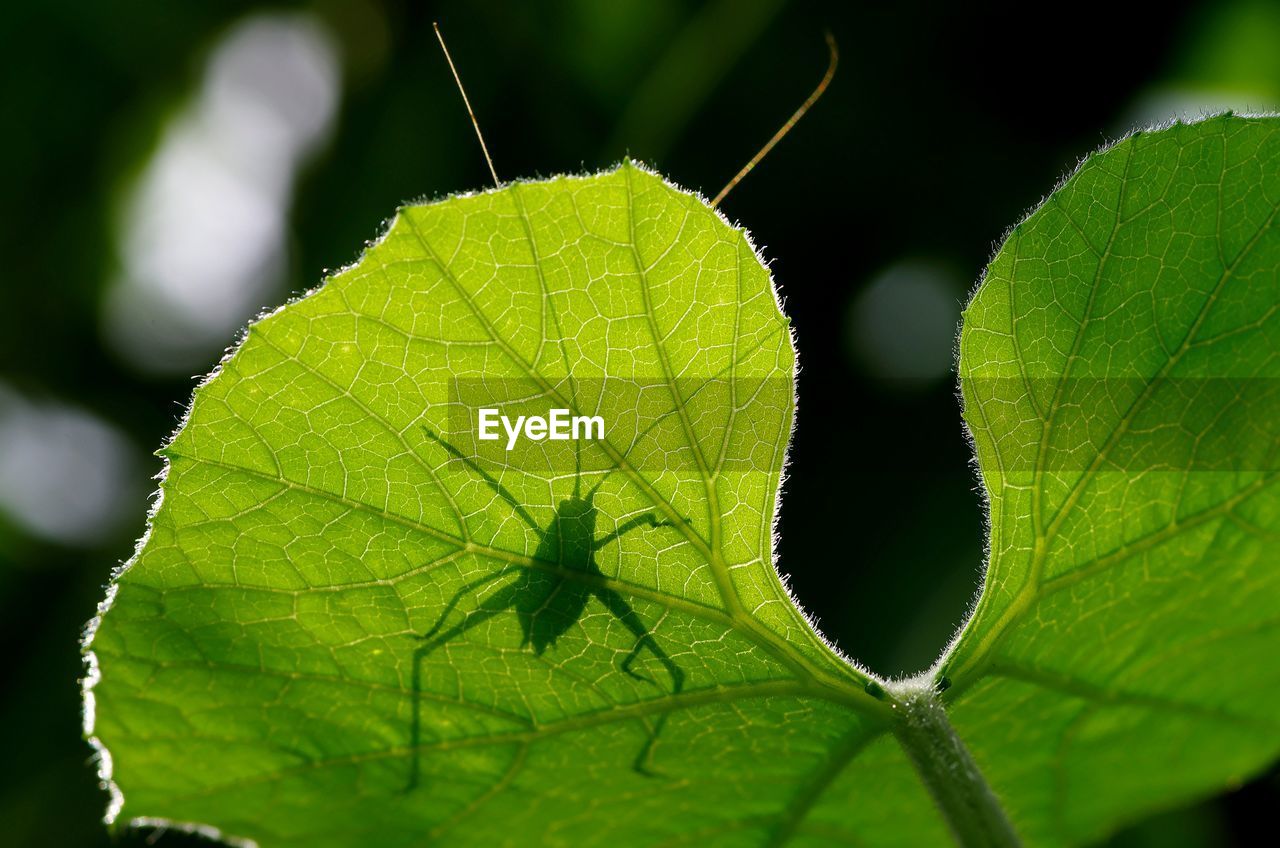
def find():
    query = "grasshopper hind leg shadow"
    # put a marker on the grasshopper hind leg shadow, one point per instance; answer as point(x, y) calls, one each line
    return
point(496, 604)
point(623, 611)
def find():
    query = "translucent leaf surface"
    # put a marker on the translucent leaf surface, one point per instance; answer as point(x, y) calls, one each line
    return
point(352, 623)
point(261, 664)
point(1119, 368)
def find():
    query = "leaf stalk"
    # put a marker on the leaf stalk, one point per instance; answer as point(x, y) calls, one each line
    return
point(971, 809)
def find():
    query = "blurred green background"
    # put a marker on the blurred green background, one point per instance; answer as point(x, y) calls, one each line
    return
point(173, 168)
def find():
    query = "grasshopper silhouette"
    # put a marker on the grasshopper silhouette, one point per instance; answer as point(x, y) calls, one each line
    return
point(548, 604)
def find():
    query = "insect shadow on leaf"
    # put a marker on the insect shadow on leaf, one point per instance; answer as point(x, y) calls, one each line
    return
point(548, 603)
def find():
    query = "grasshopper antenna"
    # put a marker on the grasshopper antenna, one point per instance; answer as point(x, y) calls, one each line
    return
point(791, 122)
point(467, 103)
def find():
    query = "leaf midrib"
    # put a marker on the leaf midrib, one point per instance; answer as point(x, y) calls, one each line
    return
point(719, 694)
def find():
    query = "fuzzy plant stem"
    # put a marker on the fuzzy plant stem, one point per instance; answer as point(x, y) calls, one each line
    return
point(945, 766)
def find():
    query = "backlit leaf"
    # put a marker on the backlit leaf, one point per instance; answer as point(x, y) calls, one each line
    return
point(352, 622)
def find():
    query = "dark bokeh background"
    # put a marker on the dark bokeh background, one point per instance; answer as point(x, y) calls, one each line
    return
point(154, 197)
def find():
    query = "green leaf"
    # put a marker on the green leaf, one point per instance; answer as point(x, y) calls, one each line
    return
point(352, 623)
point(1119, 370)
point(260, 664)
